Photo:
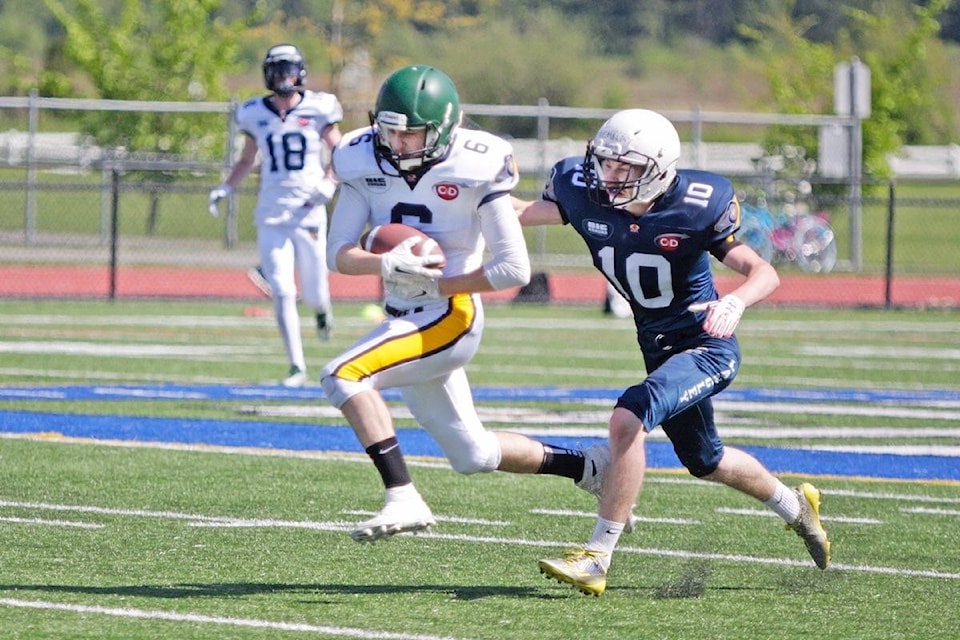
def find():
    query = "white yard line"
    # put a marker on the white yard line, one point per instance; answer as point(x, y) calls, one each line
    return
point(928, 511)
point(194, 618)
point(763, 513)
point(338, 526)
point(52, 523)
point(591, 514)
point(525, 415)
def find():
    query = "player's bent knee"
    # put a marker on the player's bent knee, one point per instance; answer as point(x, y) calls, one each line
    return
point(700, 466)
point(283, 289)
point(624, 421)
point(481, 455)
point(338, 390)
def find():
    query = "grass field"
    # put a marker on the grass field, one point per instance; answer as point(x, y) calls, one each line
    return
point(135, 538)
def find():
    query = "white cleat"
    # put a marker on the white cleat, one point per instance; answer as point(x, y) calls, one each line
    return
point(296, 378)
point(596, 460)
point(407, 516)
point(259, 280)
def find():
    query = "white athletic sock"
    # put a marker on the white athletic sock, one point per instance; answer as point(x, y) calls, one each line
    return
point(403, 493)
point(606, 534)
point(784, 503)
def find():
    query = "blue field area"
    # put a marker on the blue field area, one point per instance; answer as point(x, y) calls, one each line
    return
point(336, 436)
point(489, 394)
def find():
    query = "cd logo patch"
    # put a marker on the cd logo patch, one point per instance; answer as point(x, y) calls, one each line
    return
point(670, 241)
point(447, 190)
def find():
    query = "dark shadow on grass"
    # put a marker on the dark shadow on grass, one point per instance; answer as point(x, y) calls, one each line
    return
point(240, 589)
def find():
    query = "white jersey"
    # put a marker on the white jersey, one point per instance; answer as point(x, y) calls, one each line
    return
point(443, 203)
point(291, 156)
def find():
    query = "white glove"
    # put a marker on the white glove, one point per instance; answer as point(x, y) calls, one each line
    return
point(723, 315)
point(400, 261)
point(414, 287)
point(325, 190)
point(216, 196)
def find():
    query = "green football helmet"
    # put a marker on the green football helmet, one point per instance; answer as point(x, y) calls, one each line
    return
point(412, 98)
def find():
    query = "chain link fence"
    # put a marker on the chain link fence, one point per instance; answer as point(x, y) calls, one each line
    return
point(81, 221)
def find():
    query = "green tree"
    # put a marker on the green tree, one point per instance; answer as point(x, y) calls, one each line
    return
point(174, 50)
point(22, 41)
point(511, 50)
point(898, 44)
point(908, 65)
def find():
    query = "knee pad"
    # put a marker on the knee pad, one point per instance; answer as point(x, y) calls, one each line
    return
point(338, 390)
point(480, 454)
point(281, 288)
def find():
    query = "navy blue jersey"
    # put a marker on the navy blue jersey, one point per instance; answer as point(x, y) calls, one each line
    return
point(659, 261)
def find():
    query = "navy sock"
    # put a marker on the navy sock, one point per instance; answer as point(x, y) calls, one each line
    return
point(558, 461)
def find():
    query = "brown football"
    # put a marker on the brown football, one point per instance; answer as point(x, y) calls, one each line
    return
point(385, 237)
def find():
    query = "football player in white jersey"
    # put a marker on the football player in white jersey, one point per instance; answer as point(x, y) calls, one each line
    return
point(416, 165)
point(292, 130)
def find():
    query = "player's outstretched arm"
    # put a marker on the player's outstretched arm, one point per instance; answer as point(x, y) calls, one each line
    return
point(534, 213)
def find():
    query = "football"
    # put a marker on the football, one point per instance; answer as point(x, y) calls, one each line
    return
point(385, 237)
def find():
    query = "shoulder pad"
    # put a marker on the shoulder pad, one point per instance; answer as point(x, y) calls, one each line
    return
point(354, 157)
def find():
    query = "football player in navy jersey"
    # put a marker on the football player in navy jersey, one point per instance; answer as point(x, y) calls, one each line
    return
point(292, 130)
point(650, 230)
point(415, 164)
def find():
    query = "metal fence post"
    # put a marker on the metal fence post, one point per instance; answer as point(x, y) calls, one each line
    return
point(888, 277)
point(543, 135)
point(696, 135)
point(114, 229)
point(230, 227)
point(105, 203)
point(30, 212)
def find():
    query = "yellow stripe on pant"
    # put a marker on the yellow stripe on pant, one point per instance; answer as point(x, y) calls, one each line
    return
point(431, 338)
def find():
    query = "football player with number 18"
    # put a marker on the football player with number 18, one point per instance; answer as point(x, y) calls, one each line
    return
point(293, 130)
point(651, 229)
point(417, 166)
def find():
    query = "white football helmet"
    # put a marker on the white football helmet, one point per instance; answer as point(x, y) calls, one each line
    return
point(282, 62)
point(639, 137)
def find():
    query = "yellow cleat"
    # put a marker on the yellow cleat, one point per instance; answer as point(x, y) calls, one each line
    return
point(582, 568)
point(808, 527)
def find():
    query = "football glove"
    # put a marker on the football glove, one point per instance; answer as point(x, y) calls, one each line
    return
point(325, 190)
point(723, 315)
point(414, 287)
point(401, 261)
point(216, 196)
